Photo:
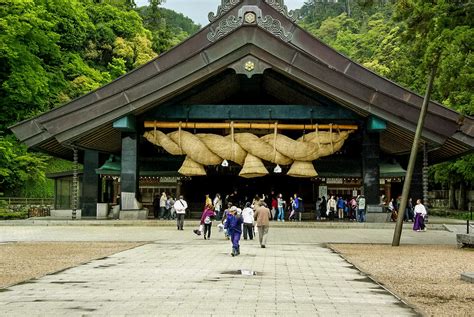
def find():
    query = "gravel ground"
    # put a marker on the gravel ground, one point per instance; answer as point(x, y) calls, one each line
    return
point(23, 261)
point(425, 276)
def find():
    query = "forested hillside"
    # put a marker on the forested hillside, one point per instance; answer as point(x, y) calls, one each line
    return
point(402, 40)
point(52, 51)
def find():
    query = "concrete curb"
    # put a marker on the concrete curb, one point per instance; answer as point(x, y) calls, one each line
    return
point(172, 223)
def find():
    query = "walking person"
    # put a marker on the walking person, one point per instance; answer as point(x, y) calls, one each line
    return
point(163, 200)
point(180, 206)
point(393, 210)
point(420, 214)
point(247, 215)
point(217, 202)
point(262, 215)
point(233, 225)
point(206, 220)
point(281, 208)
point(291, 209)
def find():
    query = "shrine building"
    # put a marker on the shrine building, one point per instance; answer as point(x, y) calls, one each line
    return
point(253, 103)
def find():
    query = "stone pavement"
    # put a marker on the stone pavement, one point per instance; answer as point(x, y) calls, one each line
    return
point(178, 273)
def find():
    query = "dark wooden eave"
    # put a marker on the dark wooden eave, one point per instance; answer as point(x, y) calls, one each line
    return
point(87, 121)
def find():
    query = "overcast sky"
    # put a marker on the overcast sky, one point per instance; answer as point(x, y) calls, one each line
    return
point(198, 10)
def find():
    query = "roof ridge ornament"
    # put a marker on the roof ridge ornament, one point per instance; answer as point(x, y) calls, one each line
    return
point(225, 6)
point(249, 14)
point(280, 6)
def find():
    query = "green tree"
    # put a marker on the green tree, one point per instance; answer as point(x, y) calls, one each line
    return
point(18, 167)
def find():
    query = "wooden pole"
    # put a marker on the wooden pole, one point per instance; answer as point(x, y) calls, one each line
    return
point(411, 163)
point(243, 125)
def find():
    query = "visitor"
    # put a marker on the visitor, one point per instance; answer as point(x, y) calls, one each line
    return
point(361, 208)
point(233, 225)
point(168, 205)
point(180, 206)
point(262, 215)
point(353, 209)
point(281, 208)
point(332, 207)
point(224, 218)
point(340, 208)
point(247, 215)
point(172, 210)
point(274, 208)
point(420, 214)
point(408, 215)
point(208, 201)
point(291, 209)
point(324, 208)
point(318, 209)
point(156, 207)
point(163, 200)
point(392, 209)
point(217, 202)
point(206, 222)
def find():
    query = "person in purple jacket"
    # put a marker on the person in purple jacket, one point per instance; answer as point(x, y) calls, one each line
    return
point(234, 229)
point(206, 222)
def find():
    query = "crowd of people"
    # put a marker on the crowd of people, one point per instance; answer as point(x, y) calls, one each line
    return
point(341, 208)
point(242, 217)
point(253, 217)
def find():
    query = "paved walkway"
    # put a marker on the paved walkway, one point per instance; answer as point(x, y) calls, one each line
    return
point(177, 273)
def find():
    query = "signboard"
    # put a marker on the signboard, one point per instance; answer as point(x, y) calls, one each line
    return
point(168, 179)
point(354, 193)
point(323, 191)
point(334, 181)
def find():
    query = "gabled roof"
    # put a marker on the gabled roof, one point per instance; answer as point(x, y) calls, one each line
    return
point(267, 34)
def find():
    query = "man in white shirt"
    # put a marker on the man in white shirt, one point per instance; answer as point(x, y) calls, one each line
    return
point(180, 206)
point(361, 208)
point(247, 214)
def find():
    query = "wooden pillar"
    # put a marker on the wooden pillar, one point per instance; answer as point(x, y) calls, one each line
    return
point(129, 176)
point(370, 166)
point(90, 184)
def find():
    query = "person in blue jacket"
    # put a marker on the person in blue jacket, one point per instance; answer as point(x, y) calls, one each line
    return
point(340, 208)
point(233, 225)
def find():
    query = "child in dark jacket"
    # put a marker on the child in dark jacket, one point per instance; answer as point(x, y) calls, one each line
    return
point(234, 229)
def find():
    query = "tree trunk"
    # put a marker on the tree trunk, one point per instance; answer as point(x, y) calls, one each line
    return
point(462, 196)
point(452, 196)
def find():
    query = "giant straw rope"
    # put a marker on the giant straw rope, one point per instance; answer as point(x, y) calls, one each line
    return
point(248, 150)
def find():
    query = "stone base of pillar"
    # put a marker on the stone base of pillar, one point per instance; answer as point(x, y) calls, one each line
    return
point(65, 214)
point(376, 214)
point(141, 214)
point(377, 217)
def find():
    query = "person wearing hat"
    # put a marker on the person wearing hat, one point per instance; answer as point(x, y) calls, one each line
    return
point(233, 225)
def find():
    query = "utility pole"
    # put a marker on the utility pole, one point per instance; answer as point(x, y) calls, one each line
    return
point(414, 150)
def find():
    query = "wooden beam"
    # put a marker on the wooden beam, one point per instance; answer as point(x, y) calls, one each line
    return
point(243, 125)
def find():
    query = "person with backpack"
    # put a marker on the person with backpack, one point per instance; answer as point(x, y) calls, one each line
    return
point(206, 220)
point(180, 207)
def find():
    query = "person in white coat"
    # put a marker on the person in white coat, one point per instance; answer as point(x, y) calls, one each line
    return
point(180, 207)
